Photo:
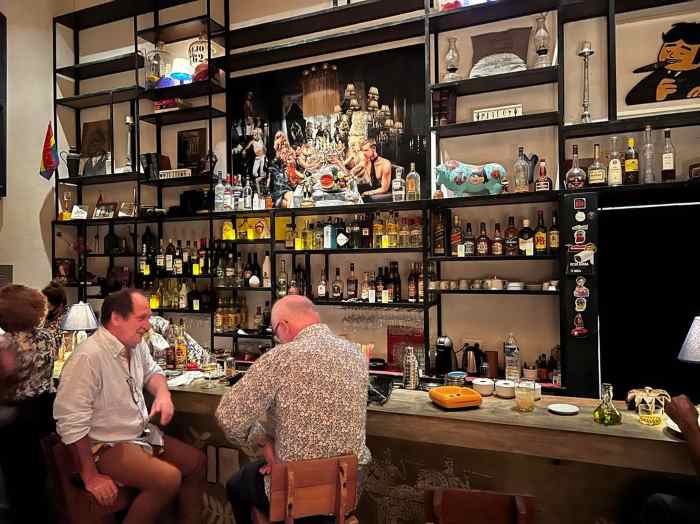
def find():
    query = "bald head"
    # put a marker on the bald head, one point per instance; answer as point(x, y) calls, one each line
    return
point(292, 314)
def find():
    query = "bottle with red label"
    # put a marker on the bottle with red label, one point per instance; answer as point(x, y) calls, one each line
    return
point(540, 235)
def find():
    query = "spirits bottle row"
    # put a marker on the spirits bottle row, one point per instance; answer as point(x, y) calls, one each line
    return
point(232, 193)
point(232, 272)
point(625, 168)
point(232, 314)
point(408, 189)
point(174, 293)
point(175, 356)
point(460, 240)
point(369, 231)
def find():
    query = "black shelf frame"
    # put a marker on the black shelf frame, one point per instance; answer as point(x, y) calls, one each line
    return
point(101, 98)
point(489, 84)
point(191, 90)
point(363, 251)
point(440, 258)
point(104, 67)
point(113, 11)
point(523, 292)
point(497, 200)
point(178, 182)
point(486, 13)
point(184, 30)
point(378, 305)
point(181, 116)
point(117, 178)
point(515, 123)
point(631, 125)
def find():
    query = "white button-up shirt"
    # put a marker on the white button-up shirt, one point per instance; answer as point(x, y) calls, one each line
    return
point(101, 393)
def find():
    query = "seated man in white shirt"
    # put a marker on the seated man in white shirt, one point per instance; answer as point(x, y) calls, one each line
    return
point(101, 414)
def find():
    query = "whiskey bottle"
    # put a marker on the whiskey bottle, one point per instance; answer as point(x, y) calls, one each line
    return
point(526, 240)
point(614, 164)
point(398, 186)
point(497, 242)
point(392, 231)
point(575, 177)
point(351, 283)
point(413, 285)
point(377, 231)
point(439, 235)
point(631, 175)
point(404, 234)
point(421, 284)
point(364, 290)
point(181, 348)
point(413, 184)
point(337, 287)
point(455, 236)
point(597, 174)
point(668, 158)
point(510, 243)
point(366, 232)
point(160, 260)
point(540, 235)
point(177, 261)
point(379, 285)
point(469, 242)
point(282, 281)
point(169, 258)
point(371, 289)
point(388, 295)
point(483, 242)
point(543, 182)
point(144, 265)
point(553, 235)
point(397, 281)
point(416, 227)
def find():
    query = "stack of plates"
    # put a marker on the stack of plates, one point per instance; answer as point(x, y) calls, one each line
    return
point(533, 287)
point(515, 286)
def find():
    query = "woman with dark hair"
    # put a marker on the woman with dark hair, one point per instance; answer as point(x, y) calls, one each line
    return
point(30, 392)
point(58, 306)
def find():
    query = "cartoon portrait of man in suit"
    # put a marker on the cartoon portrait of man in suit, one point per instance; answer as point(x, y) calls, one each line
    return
point(676, 74)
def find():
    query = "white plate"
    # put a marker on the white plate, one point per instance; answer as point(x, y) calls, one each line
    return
point(563, 409)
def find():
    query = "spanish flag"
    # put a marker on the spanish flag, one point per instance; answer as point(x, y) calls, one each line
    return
point(49, 155)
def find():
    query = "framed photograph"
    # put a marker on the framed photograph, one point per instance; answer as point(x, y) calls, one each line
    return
point(127, 209)
point(95, 165)
point(191, 148)
point(79, 212)
point(96, 139)
point(64, 270)
point(105, 210)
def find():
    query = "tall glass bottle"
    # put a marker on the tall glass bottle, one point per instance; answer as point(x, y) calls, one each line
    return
point(648, 157)
point(337, 286)
point(455, 236)
point(519, 180)
point(351, 288)
point(497, 245)
point(398, 186)
point(597, 174)
point(439, 235)
point(631, 175)
point(606, 413)
point(511, 352)
point(469, 241)
point(282, 281)
point(553, 235)
point(483, 242)
point(219, 194)
point(614, 164)
point(180, 348)
point(510, 242)
point(526, 240)
point(575, 177)
point(413, 184)
point(668, 168)
point(322, 288)
point(540, 235)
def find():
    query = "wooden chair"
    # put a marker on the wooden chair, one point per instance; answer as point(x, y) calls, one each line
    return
point(75, 504)
point(322, 487)
point(467, 506)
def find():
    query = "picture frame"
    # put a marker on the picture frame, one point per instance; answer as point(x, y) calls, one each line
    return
point(127, 209)
point(105, 210)
point(64, 270)
point(96, 138)
point(191, 148)
point(79, 212)
point(95, 165)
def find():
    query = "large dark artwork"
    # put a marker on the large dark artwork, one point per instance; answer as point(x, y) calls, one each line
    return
point(335, 132)
point(676, 73)
point(3, 104)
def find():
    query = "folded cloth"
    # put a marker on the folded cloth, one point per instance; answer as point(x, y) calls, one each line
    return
point(185, 379)
point(498, 64)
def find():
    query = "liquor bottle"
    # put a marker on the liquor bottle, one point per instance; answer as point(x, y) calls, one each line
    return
point(356, 233)
point(267, 316)
point(397, 281)
point(322, 288)
point(404, 234)
point(388, 293)
point(631, 175)
point(169, 257)
point(597, 174)
point(194, 262)
point(553, 235)
point(398, 186)
point(289, 237)
point(540, 235)
point(337, 287)
point(266, 268)
point(575, 177)
point(416, 232)
point(455, 236)
point(526, 241)
point(329, 240)
point(439, 235)
point(186, 259)
point(393, 230)
point(236, 193)
point(247, 271)
point(155, 298)
point(668, 159)
point(228, 200)
point(614, 164)
point(282, 281)
point(258, 319)
point(351, 284)
point(194, 299)
point(483, 242)
point(181, 348)
point(170, 358)
point(413, 184)
point(377, 231)
point(147, 238)
point(520, 176)
point(648, 156)
point(497, 244)
point(144, 265)
point(512, 358)
point(247, 195)
point(543, 182)
point(219, 194)
point(379, 284)
point(256, 270)
point(318, 236)
point(182, 295)
point(177, 260)
point(421, 284)
point(366, 232)
point(364, 287)
point(204, 259)
point(469, 242)
point(341, 234)
point(413, 285)
point(298, 238)
point(371, 289)
point(293, 288)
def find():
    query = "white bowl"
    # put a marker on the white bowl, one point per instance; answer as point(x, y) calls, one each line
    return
point(505, 389)
point(484, 386)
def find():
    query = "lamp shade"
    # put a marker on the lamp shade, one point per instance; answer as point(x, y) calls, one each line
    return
point(690, 352)
point(79, 318)
point(182, 69)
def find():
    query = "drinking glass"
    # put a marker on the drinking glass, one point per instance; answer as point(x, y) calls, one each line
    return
point(210, 367)
point(525, 396)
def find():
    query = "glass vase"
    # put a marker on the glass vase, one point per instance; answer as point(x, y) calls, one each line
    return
point(542, 43)
point(606, 413)
point(158, 64)
point(451, 61)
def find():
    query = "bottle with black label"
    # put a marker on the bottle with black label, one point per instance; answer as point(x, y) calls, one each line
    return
point(526, 240)
point(438, 235)
point(337, 287)
point(631, 163)
point(668, 159)
point(455, 236)
point(413, 285)
point(469, 242)
point(483, 243)
point(510, 242)
point(497, 242)
point(352, 283)
point(322, 290)
point(553, 235)
point(540, 235)
point(341, 235)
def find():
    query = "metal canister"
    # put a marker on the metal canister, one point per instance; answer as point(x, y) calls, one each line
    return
point(410, 369)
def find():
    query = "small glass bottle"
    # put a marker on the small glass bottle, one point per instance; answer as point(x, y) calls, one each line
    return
point(497, 242)
point(597, 174)
point(668, 169)
point(413, 184)
point(398, 186)
point(649, 156)
point(631, 163)
point(483, 242)
point(614, 164)
point(575, 177)
point(520, 176)
point(511, 353)
point(606, 413)
point(542, 41)
point(451, 61)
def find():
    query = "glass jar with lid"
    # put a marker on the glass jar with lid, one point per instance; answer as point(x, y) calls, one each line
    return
point(158, 64)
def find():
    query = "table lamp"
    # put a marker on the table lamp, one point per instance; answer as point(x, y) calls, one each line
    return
point(182, 70)
point(690, 352)
point(79, 319)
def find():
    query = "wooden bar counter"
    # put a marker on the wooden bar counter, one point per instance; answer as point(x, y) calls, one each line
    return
point(579, 471)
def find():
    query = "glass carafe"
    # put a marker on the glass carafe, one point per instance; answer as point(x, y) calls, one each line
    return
point(451, 61)
point(542, 41)
point(606, 413)
point(158, 63)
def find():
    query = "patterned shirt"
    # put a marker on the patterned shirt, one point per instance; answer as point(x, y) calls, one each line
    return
point(312, 393)
point(35, 354)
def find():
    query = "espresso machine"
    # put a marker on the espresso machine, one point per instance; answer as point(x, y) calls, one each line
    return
point(444, 356)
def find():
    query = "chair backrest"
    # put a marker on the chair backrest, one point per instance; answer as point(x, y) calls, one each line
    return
point(465, 506)
point(61, 467)
point(313, 487)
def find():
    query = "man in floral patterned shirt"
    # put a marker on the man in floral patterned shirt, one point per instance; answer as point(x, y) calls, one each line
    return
point(312, 393)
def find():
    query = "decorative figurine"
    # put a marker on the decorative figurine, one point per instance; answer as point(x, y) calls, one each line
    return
point(257, 147)
point(579, 329)
point(468, 179)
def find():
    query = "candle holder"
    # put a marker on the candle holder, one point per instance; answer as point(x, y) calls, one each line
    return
point(542, 41)
point(585, 52)
point(129, 123)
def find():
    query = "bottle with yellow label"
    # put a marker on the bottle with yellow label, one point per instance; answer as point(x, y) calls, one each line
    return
point(228, 232)
point(631, 175)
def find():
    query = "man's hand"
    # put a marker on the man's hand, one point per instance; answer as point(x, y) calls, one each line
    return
point(163, 404)
point(683, 412)
point(268, 452)
point(665, 88)
point(102, 488)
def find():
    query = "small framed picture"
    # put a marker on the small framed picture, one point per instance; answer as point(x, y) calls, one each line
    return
point(105, 210)
point(64, 270)
point(127, 209)
point(79, 212)
point(191, 148)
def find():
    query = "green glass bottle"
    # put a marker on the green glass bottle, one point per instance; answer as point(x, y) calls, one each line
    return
point(606, 413)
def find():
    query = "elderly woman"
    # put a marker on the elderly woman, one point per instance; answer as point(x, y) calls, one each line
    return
point(30, 391)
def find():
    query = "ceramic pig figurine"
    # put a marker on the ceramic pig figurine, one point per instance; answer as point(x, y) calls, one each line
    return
point(470, 180)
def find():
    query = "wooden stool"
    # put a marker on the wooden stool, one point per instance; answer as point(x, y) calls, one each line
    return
point(467, 506)
point(322, 487)
point(76, 505)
